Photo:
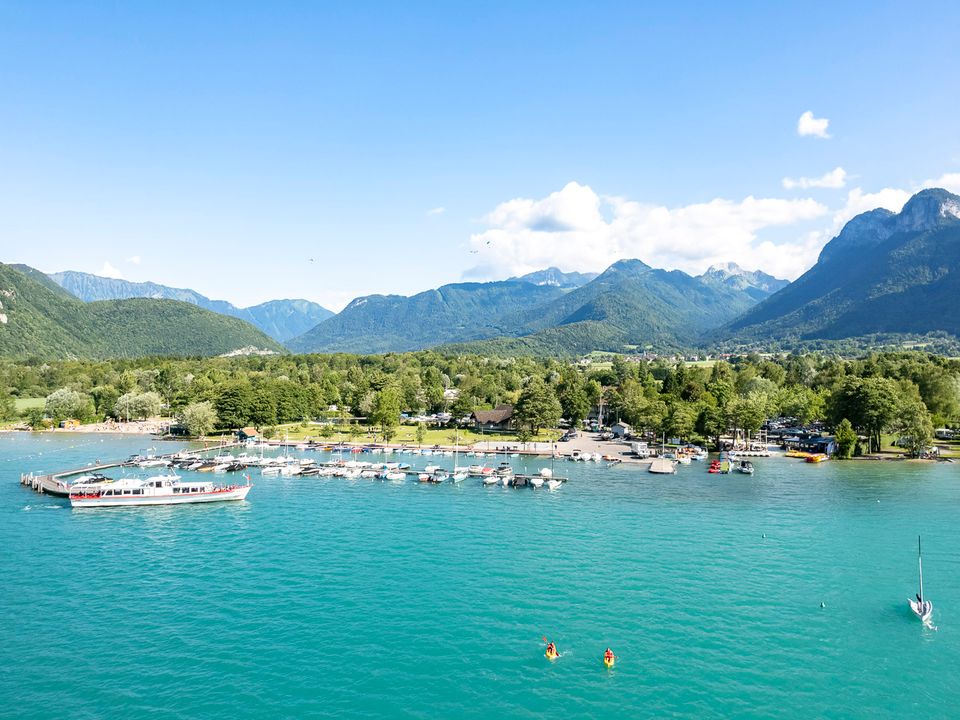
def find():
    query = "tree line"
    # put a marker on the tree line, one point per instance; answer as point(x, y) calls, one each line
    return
point(907, 392)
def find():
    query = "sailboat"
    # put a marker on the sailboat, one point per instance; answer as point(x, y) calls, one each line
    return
point(922, 608)
point(459, 474)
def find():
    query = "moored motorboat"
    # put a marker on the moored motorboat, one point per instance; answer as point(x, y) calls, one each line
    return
point(745, 467)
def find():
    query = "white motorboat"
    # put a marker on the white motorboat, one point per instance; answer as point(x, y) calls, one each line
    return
point(160, 490)
point(395, 476)
point(537, 482)
point(459, 476)
point(553, 484)
point(745, 467)
point(921, 607)
point(490, 480)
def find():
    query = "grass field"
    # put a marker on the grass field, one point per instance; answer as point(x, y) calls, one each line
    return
point(24, 404)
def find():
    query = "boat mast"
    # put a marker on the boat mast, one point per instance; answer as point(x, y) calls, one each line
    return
point(920, 565)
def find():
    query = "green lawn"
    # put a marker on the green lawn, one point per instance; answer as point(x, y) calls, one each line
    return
point(408, 434)
point(24, 404)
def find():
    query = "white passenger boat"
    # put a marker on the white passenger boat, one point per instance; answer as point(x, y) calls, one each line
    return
point(160, 490)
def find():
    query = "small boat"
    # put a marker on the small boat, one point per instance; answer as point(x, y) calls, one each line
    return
point(553, 484)
point(546, 473)
point(458, 476)
point(536, 482)
point(490, 480)
point(423, 477)
point(746, 467)
point(663, 466)
point(817, 458)
point(395, 476)
point(922, 608)
point(609, 661)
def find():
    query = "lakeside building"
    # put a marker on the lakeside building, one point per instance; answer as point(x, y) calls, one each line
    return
point(497, 420)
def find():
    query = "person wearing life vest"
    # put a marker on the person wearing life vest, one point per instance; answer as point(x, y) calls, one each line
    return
point(551, 649)
point(608, 656)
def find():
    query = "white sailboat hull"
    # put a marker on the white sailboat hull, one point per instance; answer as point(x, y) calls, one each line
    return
point(923, 611)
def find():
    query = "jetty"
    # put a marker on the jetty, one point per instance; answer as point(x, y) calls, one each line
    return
point(58, 483)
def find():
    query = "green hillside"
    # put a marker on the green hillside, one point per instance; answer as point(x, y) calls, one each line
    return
point(628, 305)
point(885, 273)
point(40, 321)
point(451, 313)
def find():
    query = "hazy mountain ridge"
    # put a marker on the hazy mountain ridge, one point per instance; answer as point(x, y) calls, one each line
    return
point(280, 319)
point(629, 303)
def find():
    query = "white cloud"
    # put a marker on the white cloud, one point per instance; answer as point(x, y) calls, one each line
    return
point(810, 125)
point(947, 181)
point(110, 271)
point(836, 178)
point(134, 259)
point(577, 229)
point(858, 201)
point(436, 211)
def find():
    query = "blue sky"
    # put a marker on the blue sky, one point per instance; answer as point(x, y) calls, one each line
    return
point(260, 150)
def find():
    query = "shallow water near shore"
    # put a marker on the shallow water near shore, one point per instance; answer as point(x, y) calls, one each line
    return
point(327, 597)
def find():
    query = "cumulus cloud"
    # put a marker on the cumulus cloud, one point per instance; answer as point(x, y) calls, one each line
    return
point(134, 259)
point(834, 179)
point(110, 271)
point(436, 211)
point(577, 229)
point(808, 125)
point(947, 181)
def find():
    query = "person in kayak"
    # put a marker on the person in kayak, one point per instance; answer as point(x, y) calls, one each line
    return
point(608, 656)
point(552, 650)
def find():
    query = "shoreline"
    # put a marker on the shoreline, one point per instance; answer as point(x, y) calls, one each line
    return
point(607, 448)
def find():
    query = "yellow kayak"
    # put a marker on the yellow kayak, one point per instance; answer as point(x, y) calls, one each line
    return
point(551, 655)
point(609, 661)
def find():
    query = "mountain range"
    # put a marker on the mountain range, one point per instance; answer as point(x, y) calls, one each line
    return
point(280, 319)
point(885, 273)
point(40, 319)
point(548, 312)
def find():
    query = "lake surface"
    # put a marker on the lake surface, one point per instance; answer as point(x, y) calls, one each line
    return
point(325, 597)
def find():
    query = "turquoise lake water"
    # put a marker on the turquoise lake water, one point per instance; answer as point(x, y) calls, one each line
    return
point(325, 597)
